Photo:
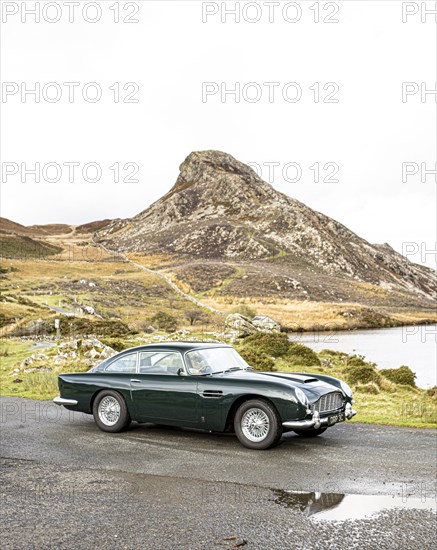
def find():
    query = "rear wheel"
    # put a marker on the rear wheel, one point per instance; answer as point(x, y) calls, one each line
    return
point(110, 412)
point(257, 424)
point(310, 433)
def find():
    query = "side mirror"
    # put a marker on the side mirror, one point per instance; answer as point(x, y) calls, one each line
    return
point(180, 372)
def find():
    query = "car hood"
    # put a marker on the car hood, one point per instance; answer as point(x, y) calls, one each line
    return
point(311, 385)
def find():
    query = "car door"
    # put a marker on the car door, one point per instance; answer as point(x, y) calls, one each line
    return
point(162, 392)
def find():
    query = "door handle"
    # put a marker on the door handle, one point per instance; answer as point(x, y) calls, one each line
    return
point(135, 380)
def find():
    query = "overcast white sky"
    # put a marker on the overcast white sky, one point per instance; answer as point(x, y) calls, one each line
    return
point(170, 53)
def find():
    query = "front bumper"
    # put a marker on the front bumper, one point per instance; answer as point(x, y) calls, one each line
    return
point(67, 402)
point(316, 422)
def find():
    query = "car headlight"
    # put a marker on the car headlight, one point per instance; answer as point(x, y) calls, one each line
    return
point(346, 388)
point(301, 396)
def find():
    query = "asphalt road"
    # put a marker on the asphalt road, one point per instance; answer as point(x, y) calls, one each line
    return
point(65, 484)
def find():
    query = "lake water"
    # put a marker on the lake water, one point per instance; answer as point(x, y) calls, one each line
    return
point(389, 348)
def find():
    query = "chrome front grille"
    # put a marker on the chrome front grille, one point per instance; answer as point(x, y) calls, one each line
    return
point(329, 402)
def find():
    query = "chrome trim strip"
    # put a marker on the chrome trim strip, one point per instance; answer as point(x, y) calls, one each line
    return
point(62, 401)
point(299, 424)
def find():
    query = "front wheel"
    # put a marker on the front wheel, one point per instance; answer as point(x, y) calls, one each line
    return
point(310, 433)
point(110, 412)
point(257, 424)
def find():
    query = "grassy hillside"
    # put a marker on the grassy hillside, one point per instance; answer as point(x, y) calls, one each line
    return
point(22, 246)
point(115, 290)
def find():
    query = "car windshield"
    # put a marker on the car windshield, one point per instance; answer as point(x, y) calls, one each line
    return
point(214, 360)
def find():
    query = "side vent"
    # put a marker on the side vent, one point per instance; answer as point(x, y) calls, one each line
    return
point(212, 393)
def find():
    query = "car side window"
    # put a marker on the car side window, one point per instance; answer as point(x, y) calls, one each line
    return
point(160, 362)
point(127, 363)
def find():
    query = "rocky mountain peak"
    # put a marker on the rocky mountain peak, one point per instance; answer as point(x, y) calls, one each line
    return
point(210, 185)
point(202, 165)
point(219, 177)
point(220, 209)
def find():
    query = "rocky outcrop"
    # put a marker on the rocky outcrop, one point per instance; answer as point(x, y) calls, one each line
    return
point(84, 353)
point(239, 326)
point(266, 324)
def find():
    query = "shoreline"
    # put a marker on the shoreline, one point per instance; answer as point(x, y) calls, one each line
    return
point(324, 328)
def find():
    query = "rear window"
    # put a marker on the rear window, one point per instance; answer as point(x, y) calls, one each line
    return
point(126, 363)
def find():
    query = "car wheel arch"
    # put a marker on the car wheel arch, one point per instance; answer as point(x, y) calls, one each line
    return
point(94, 397)
point(238, 402)
point(100, 390)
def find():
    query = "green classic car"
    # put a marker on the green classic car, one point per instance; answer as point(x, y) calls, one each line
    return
point(206, 386)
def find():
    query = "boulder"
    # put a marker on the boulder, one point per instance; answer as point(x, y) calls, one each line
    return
point(90, 343)
point(92, 353)
point(60, 358)
point(266, 324)
point(107, 352)
point(239, 326)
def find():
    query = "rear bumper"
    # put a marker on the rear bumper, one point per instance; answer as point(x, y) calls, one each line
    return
point(67, 402)
point(316, 422)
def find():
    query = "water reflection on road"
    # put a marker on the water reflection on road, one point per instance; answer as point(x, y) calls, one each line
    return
point(342, 507)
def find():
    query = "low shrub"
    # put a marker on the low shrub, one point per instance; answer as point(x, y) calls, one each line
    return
point(278, 346)
point(363, 374)
point(357, 361)
point(298, 354)
point(80, 326)
point(116, 343)
point(371, 388)
point(164, 321)
point(387, 385)
point(195, 315)
point(403, 375)
point(257, 359)
point(275, 345)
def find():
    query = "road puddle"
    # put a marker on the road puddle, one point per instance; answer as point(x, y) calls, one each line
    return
point(342, 507)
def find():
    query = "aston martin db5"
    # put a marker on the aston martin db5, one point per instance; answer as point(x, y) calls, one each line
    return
point(205, 386)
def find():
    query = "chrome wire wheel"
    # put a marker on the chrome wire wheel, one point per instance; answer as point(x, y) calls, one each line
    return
point(109, 410)
point(255, 425)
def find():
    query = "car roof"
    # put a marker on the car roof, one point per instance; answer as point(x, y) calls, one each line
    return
point(178, 346)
